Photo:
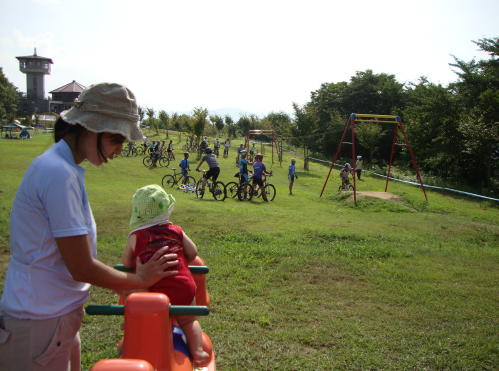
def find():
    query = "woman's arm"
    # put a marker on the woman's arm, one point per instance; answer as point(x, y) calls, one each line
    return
point(190, 248)
point(75, 251)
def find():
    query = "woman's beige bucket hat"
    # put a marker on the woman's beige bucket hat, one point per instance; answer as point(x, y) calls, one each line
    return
point(106, 107)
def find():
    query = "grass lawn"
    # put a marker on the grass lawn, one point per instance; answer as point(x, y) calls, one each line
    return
point(309, 283)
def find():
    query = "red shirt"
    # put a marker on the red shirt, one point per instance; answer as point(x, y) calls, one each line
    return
point(181, 287)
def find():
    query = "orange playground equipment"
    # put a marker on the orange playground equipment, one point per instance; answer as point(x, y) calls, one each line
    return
point(152, 340)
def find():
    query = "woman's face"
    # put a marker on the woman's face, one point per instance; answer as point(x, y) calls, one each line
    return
point(111, 147)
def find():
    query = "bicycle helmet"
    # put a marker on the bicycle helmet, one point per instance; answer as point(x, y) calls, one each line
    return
point(208, 150)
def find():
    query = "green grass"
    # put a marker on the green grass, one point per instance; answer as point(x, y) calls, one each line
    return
point(309, 283)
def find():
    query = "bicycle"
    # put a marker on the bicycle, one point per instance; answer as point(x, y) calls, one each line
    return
point(161, 161)
point(217, 189)
point(267, 192)
point(168, 181)
point(232, 188)
point(345, 186)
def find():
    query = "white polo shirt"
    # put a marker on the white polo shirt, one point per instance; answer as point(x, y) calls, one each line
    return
point(51, 202)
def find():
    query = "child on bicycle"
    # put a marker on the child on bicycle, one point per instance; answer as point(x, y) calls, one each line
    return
point(243, 168)
point(259, 170)
point(184, 166)
point(344, 175)
point(151, 229)
point(211, 160)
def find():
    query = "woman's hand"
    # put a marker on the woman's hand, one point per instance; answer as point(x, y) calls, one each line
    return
point(158, 266)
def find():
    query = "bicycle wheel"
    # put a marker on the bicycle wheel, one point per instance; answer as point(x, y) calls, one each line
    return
point(218, 191)
point(200, 188)
point(168, 181)
point(268, 193)
point(147, 161)
point(245, 192)
point(231, 189)
point(163, 162)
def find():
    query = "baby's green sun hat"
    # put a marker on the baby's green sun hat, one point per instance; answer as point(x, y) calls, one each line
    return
point(148, 203)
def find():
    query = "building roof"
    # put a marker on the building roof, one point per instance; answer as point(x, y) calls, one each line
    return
point(72, 87)
point(35, 56)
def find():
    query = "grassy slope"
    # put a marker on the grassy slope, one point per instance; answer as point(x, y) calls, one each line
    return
point(310, 283)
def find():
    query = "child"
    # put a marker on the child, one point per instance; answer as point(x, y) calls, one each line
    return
point(292, 175)
point(184, 165)
point(259, 170)
point(169, 151)
point(151, 229)
point(344, 173)
point(358, 167)
point(226, 147)
point(243, 168)
point(239, 150)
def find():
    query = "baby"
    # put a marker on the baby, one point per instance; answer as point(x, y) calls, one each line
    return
point(150, 230)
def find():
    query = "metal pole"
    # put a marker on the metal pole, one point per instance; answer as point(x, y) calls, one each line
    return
point(394, 137)
point(413, 159)
point(336, 155)
point(354, 163)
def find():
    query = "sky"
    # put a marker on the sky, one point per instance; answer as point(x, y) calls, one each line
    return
point(240, 57)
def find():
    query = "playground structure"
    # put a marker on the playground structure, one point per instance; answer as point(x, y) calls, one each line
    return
point(397, 125)
point(276, 142)
point(152, 340)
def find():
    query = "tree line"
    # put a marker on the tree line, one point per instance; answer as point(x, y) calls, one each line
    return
point(454, 129)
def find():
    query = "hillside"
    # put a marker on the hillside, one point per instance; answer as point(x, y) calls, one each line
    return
point(309, 283)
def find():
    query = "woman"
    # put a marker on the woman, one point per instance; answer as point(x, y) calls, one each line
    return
point(53, 236)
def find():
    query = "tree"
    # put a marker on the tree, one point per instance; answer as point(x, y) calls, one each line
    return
point(231, 128)
point(9, 98)
point(199, 121)
point(280, 122)
point(431, 119)
point(368, 136)
point(164, 120)
point(151, 120)
point(141, 114)
point(218, 122)
point(478, 93)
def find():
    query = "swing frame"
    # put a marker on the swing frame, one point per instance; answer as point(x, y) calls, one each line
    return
point(397, 125)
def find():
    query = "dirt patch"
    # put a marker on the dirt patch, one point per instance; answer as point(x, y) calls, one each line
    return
point(381, 195)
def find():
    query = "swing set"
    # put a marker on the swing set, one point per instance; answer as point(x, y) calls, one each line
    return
point(276, 142)
point(397, 126)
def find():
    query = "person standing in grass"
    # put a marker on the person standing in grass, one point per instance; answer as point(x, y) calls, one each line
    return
point(169, 150)
point(243, 168)
point(53, 239)
point(239, 150)
point(292, 175)
point(151, 229)
point(184, 166)
point(226, 147)
point(358, 167)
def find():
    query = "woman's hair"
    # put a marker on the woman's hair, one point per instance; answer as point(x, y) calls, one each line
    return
point(62, 128)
